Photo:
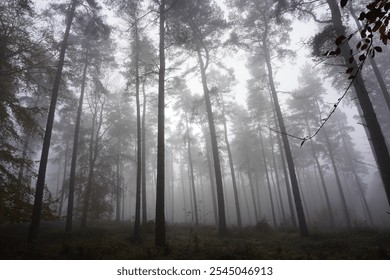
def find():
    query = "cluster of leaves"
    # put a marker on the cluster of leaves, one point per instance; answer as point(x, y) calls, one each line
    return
point(16, 203)
point(375, 20)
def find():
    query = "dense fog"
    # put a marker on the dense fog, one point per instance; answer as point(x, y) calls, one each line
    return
point(226, 114)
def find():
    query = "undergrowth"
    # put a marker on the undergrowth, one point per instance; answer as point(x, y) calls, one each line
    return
point(114, 241)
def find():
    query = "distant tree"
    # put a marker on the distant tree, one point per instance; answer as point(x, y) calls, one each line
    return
point(197, 26)
point(267, 29)
point(95, 45)
point(185, 104)
point(222, 84)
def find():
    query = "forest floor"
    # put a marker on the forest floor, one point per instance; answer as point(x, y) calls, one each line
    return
point(107, 241)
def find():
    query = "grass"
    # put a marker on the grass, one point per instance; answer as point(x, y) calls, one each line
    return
point(113, 241)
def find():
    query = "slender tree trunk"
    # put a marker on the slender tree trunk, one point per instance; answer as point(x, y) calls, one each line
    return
point(286, 178)
point(118, 183)
point(277, 180)
point(93, 153)
point(336, 173)
point(137, 221)
point(376, 135)
point(252, 193)
point(172, 187)
point(143, 157)
point(236, 200)
point(160, 239)
point(212, 182)
point(183, 188)
point(37, 208)
point(63, 179)
point(191, 170)
point(222, 229)
point(294, 182)
point(267, 176)
point(323, 184)
point(72, 175)
point(357, 178)
point(24, 156)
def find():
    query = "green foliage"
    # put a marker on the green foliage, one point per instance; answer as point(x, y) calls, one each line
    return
point(16, 202)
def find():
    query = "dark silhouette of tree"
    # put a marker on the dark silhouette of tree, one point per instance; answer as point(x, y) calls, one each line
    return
point(160, 238)
point(36, 216)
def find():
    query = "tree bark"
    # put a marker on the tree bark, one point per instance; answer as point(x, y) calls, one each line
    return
point(72, 175)
point(143, 157)
point(212, 181)
point(160, 239)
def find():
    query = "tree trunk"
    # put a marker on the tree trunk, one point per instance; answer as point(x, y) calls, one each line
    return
point(235, 191)
point(319, 168)
point(183, 188)
point(277, 180)
point(245, 196)
point(286, 176)
point(222, 229)
point(118, 183)
point(143, 157)
point(294, 182)
point(376, 135)
point(252, 193)
point(267, 176)
point(357, 178)
point(212, 182)
point(172, 188)
point(160, 239)
point(93, 153)
point(37, 208)
point(63, 179)
point(72, 175)
point(340, 188)
point(137, 221)
point(191, 170)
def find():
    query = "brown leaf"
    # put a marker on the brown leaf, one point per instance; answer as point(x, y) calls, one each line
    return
point(343, 3)
point(339, 40)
